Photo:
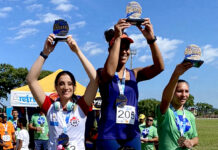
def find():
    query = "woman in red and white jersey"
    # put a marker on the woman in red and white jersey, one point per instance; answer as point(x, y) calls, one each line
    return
point(67, 115)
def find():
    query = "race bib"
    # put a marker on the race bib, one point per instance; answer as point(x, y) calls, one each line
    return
point(6, 138)
point(125, 115)
point(72, 146)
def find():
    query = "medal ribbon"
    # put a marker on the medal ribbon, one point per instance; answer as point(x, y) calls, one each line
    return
point(15, 124)
point(5, 126)
point(65, 121)
point(121, 85)
point(182, 124)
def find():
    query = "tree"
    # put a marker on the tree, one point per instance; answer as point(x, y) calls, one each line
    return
point(189, 102)
point(11, 78)
point(148, 106)
point(44, 73)
point(204, 108)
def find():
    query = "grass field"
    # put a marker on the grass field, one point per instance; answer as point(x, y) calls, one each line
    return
point(207, 133)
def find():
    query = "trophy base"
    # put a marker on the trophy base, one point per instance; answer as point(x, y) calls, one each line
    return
point(135, 21)
point(60, 38)
point(196, 63)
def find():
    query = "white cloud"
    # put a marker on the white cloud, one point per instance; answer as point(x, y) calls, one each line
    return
point(6, 9)
point(66, 7)
point(34, 7)
point(139, 41)
point(144, 58)
point(168, 46)
point(96, 51)
point(210, 54)
point(49, 17)
point(23, 33)
point(79, 24)
point(2, 15)
point(92, 48)
point(30, 22)
point(59, 1)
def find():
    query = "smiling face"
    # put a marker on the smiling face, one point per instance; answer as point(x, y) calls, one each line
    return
point(124, 51)
point(181, 94)
point(65, 87)
point(149, 121)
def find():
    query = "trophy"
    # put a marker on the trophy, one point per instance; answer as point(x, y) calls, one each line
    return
point(60, 29)
point(193, 55)
point(133, 13)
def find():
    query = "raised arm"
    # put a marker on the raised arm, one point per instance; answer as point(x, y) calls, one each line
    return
point(32, 76)
point(92, 87)
point(169, 90)
point(158, 63)
point(111, 63)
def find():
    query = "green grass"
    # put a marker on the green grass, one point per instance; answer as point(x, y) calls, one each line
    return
point(207, 133)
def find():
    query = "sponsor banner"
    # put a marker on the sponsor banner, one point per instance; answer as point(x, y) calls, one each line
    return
point(23, 99)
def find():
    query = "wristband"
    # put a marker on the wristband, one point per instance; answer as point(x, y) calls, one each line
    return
point(152, 41)
point(43, 55)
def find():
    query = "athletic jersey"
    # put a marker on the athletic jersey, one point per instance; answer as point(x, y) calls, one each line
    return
point(108, 128)
point(168, 129)
point(6, 131)
point(149, 133)
point(74, 120)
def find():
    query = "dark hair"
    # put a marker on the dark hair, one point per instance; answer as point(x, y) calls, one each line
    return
point(67, 73)
point(181, 80)
point(109, 34)
point(23, 121)
point(74, 97)
point(14, 110)
point(149, 116)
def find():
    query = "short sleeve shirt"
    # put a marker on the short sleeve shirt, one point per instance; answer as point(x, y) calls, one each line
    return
point(149, 133)
point(168, 130)
point(38, 120)
point(23, 135)
point(8, 132)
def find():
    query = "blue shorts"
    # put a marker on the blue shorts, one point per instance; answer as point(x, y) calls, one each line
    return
point(132, 144)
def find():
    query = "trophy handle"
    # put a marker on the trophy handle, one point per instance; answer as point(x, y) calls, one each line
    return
point(134, 21)
point(196, 63)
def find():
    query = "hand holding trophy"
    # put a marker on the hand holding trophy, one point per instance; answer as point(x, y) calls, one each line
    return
point(60, 29)
point(193, 55)
point(133, 13)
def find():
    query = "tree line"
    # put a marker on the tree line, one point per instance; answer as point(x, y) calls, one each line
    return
point(11, 78)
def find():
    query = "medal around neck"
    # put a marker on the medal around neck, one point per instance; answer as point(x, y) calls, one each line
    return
point(60, 29)
point(121, 101)
point(193, 55)
point(63, 139)
point(133, 13)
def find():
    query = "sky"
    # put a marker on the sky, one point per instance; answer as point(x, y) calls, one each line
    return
point(25, 24)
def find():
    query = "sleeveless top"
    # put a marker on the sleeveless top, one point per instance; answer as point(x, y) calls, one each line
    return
point(108, 128)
